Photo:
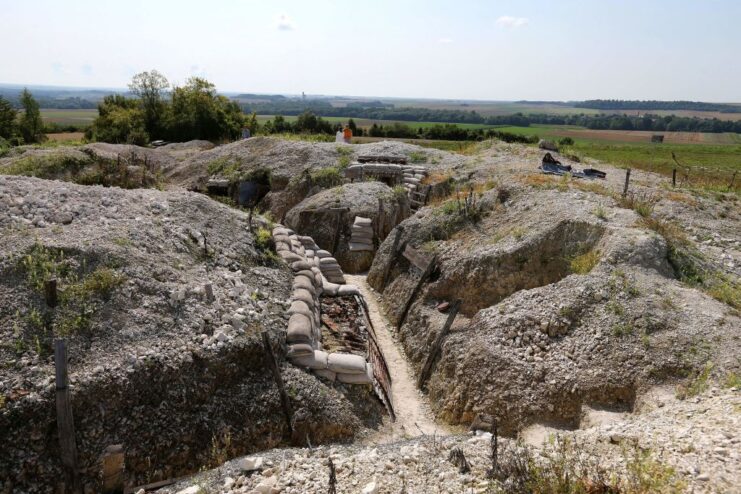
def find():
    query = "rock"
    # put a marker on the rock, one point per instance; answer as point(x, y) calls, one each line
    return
point(252, 463)
point(193, 489)
point(371, 488)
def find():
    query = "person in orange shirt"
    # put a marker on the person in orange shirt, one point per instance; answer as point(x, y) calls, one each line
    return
point(347, 134)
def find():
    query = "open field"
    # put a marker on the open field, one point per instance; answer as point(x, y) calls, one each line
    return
point(66, 136)
point(367, 122)
point(69, 117)
point(638, 136)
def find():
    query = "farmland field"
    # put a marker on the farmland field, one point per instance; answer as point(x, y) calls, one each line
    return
point(69, 117)
point(366, 122)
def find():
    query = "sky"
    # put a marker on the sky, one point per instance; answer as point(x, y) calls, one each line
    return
point(463, 49)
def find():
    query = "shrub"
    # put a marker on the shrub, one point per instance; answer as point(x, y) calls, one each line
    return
point(327, 178)
point(584, 263)
point(566, 141)
point(696, 384)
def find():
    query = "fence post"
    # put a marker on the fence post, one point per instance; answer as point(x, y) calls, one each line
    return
point(65, 421)
point(674, 178)
point(627, 182)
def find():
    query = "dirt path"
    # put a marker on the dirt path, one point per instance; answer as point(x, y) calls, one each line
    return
point(413, 414)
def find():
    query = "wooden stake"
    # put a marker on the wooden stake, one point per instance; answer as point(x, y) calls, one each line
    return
point(113, 469)
point(273, 365)
point(733, 179)
point(414, 293)
point(392, 260)
point(627, 182)
point(65, 421)
point(674, 178)
point(50, 293)
point(209, 289)
point(435, 350)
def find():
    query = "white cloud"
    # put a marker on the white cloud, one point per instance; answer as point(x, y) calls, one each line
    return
point(445, 41)
point(512, 22)
point(284, 23)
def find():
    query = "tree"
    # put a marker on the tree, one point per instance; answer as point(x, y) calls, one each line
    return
point(353, 127)
point(7, 119)
point(31, 126)
point(253, 124)
point(197, 112)
point(150, 87)
point(120, 120)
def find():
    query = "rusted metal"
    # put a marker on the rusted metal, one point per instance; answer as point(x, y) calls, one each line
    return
point(381, 376)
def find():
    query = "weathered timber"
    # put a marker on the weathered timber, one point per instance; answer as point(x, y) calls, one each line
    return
point(416, 257)
point(392, 259)
point(273, 366)
point(65, 421)
point(424, 375)
point(425, 274)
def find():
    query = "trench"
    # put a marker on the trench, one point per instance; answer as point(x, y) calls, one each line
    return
point(413, 413)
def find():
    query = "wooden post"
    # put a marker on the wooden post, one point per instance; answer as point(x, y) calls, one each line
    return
point(392, 259)
point(113, 469)
point(733, 179)
point(627, 182)
point(414, 293)
point(50, 293)
point(65, 422)
point(674, 178)
point(336, 239)
point(273, 365)
point(427, 368)
point(209, 290)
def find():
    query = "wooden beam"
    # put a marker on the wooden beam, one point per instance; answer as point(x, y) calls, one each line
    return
point(424, 375)
point(425, 274)
point(65, 421)
point(392, 260)
point(273, 366)
point(627, 182)
point(113, 469)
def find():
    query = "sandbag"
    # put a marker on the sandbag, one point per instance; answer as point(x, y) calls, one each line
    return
point(320, 360)
point(303, 295)
point(299, 329)
point(300, 307)
point(302, 360)
point(326, 374)
point(303, 282)
point(321, 253)
point(328, 261)
point(359, 220)
point(363, 247)
point(300, 265)
point(348, 290)
point(346, 363)
point(299, 350)
point(289, 256)
point(366, 378)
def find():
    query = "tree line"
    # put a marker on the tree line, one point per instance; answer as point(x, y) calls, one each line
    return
point(21, 127)
point(619, 104)
point(180, 113)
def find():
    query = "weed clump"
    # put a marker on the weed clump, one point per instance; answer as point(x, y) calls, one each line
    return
point(584, 263)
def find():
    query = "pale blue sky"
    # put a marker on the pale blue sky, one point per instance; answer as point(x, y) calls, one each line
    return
point(498, 49)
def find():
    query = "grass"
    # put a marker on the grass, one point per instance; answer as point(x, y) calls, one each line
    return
point(327, 178)
point(696, 384)
point(584, 263)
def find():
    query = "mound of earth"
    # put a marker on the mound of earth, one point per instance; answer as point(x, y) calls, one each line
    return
point(328, 217)
point(561, 307)
point(162, 299)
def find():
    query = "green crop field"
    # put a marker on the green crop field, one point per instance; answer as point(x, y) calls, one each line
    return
point(69, 117)
point(366, 122)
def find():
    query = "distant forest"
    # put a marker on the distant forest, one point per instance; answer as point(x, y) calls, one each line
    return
point(650, 122)
point(619, 104)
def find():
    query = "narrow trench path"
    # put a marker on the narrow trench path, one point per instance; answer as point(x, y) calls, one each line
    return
point(413, 414)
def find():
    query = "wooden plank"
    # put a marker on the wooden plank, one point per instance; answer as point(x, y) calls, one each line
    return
point(392, 260)
point(113, 469)
point(273, 366)
point(627, 182)
point(416, 257)
point(426, 273)
point(65, 421)
point(435, 350)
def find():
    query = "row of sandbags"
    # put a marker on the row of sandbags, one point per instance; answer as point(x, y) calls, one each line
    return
point(413, 176)
point(303, 333)
point(344, 367)
point(361, 236)
point(359, 171)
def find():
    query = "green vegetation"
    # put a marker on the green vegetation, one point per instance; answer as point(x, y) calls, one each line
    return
point(696, 384)
point(584, 263)
point(82, 292)
point(7, 119)
point(30, 126)
point(46, 166)
point(326, 178)
point(733, 380)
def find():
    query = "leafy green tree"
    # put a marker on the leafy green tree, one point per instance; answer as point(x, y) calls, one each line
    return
point(7, 119)
point(150, 87)
point(31, 126)
point(121, 121)
point(253, 124)
point(197, 112)
point(353, 127)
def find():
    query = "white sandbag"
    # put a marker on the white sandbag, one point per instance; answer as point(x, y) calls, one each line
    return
point(289, 256)
point(300, 307)
point(300, 265)
point(302, 360)
point(304, 295)
point(303, 282)
point(326, 374)
point(359, 220)
point(321, 253)
point(366, 378)
point(299, 329)
point(281, 246)
point(279, 230)
point(329, 289)
point(309, 253)
point(320, 360)
point(328, 261)
point(346, 363)
point(282, 238)
point(299, 350)
point(348, 290)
